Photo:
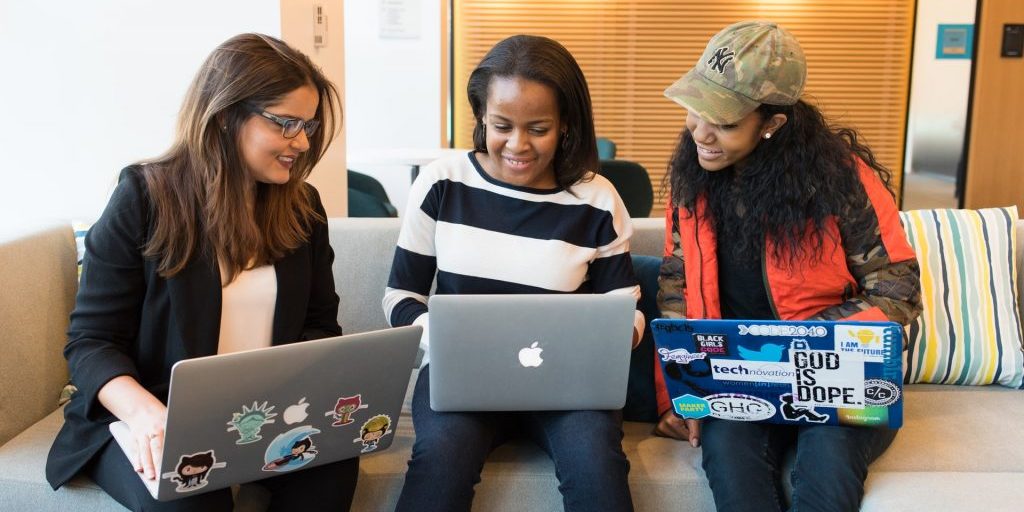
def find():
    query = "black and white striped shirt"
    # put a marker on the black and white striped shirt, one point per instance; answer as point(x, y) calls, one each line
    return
point(480, 235)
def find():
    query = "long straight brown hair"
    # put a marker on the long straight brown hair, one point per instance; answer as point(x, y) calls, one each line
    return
point(201, 190)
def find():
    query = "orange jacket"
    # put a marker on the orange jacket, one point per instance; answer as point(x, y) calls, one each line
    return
point(866, 270)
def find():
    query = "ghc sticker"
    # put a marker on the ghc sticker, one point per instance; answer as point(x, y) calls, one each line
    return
point(732, 406)
point(691, 407)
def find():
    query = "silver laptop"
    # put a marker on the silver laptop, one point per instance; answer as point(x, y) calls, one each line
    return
point(529, 352)
point(251, 415)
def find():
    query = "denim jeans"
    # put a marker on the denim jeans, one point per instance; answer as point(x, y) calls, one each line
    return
point(743, 464)
point(451, 447)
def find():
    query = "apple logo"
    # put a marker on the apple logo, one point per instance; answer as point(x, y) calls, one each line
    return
point(296, 413)
point(528, 357)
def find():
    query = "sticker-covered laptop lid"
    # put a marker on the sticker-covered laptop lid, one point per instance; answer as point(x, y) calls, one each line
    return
point(826, 373)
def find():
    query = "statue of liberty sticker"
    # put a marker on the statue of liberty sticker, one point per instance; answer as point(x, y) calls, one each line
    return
point(249, 422)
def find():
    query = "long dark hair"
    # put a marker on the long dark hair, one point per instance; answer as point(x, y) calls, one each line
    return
point(789, 185)
point(200, 188)
point(545, 61)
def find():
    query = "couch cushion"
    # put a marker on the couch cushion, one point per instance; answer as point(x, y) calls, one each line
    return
point(899, 492)
point(953, 428)
point(23, 477)
point(969, 331)
point(363, 250)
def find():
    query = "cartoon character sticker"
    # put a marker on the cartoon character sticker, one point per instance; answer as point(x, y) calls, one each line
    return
point(345, 408)
point(249, 422)
point(793, 412)
point(372, 431)
point(291, 450)
point(192, 471)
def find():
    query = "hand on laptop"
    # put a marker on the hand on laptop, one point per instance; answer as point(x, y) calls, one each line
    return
point(672, 426)
point(145, 416)
point(147, 427)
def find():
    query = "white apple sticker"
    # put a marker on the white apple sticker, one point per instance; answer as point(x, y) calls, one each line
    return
point(530, 356)
point(296, 413)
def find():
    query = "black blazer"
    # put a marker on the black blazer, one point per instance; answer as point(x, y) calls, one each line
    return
point(130, 321)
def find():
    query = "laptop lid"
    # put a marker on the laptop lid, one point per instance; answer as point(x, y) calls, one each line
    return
point(787, 372)
point(246, 416)
point(529, 352)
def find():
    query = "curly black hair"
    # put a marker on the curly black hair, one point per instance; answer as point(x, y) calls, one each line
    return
point(789, 186)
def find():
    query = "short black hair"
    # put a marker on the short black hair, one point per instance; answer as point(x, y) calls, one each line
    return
point(542, 60)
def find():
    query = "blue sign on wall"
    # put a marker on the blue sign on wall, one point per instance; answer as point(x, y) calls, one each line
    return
point(954, 42)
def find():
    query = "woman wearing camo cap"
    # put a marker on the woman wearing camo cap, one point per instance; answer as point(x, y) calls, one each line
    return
point(774, 214)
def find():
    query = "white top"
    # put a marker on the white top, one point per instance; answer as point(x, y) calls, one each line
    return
point(247, 310)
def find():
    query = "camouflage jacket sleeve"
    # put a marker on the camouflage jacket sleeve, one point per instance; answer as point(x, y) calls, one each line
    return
point(671, 278)
point(880, 259)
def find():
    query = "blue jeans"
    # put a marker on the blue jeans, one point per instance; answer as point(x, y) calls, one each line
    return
point(451, 447)
point(743, 464)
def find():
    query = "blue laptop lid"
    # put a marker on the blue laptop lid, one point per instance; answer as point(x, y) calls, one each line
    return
point(787, 372)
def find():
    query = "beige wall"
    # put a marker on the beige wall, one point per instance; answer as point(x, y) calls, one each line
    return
point(995, 161)
point(329, 176)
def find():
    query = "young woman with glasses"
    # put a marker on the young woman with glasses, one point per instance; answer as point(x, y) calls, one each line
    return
point(219, 245)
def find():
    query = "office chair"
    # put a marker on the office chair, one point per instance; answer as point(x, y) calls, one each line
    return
point(633, 184)
point(367, 197)
point(605, 148)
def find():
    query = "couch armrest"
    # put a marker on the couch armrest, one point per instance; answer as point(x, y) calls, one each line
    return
point(38, 282)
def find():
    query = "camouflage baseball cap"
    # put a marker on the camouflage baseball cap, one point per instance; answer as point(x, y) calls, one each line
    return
point(743, 66)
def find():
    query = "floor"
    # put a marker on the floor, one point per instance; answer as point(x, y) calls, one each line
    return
point(927, 190)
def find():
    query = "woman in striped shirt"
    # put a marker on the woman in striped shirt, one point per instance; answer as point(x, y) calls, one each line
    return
point(524, 212)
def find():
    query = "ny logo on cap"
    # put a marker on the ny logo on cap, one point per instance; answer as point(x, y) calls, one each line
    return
point(721, 57)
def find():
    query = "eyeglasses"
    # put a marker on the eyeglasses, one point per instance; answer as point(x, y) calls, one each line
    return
point(290, 126)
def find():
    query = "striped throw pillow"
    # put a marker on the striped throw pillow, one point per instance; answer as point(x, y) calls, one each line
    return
point(970, 330)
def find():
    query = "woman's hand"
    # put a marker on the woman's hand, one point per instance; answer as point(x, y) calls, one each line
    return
point(147, 429)
point(145, 415)
point(672, 426)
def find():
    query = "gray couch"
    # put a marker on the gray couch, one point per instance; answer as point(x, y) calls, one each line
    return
point(960, 448)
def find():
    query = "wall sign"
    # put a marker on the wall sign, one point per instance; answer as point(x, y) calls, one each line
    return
point(399, 19)
point(954, 42)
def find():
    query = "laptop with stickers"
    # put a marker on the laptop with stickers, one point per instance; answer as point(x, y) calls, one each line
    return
point(529, 352)
point(811, 372)
point(246, 416)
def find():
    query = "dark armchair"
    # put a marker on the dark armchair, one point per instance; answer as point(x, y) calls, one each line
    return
point(367, 197)
point(633, 184)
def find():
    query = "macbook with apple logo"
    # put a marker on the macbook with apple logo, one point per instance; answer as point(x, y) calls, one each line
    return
point(246, 416)
point(529, 352)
